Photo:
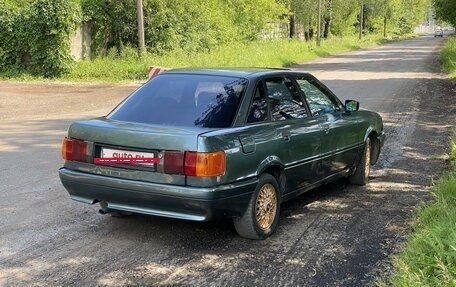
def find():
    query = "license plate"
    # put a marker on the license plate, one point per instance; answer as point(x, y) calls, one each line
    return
point(116, 156)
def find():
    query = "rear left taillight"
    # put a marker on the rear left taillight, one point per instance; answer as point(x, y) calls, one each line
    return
point(75, 150)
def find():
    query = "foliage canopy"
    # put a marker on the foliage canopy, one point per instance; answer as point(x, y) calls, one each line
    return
point(36, 36)
point(195, 25)
point(446, 10)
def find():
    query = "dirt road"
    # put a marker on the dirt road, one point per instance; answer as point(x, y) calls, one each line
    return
point(338, 235)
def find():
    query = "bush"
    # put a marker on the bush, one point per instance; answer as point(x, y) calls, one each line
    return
point(8, 36)
point(36, 37)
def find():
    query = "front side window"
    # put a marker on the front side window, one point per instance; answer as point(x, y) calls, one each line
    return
point(284, 100)
point(319, 102)
point(184, 100)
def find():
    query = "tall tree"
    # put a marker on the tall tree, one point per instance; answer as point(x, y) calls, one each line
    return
point(383, 14)
point(344, 17)
point(305, 13)
point(445, 10)
point(412, 12)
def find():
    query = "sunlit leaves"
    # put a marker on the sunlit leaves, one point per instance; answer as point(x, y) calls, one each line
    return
point(197, 25)
point(397, 16)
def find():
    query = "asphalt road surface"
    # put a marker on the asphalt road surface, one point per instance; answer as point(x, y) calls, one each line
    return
point(337, 235)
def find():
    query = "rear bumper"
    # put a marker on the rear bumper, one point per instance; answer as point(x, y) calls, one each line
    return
point(182, 202)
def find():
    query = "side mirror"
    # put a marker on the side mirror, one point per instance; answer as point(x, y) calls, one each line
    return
point(351, 106)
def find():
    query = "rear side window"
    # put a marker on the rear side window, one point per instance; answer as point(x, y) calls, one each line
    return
point(258, 111)
point(284, 100)
point(184, 100)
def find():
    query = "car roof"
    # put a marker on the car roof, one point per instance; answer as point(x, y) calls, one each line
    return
point(249, 72)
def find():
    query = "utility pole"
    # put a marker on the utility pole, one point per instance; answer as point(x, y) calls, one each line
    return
point(361, 20)
point(319, 24)
point(140, 16)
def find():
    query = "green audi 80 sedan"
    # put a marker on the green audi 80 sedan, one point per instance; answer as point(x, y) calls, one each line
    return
point(196, 144)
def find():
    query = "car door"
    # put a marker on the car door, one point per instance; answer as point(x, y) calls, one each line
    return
point(340, 138)
point(297, 136)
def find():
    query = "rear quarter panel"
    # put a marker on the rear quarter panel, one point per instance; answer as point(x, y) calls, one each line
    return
point(240, 165)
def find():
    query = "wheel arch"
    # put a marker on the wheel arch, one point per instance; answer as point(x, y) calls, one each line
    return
point(274, 167)
point(375, 144)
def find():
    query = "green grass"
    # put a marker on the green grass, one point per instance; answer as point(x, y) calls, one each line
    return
point(448, 56)
point(276, 53)
point(429, 257)
point(268, 53)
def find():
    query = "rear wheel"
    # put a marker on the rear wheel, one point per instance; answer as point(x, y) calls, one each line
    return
point(262, 214)
point(361, 175)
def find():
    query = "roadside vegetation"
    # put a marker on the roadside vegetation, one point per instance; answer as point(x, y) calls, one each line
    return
point(429, 257)
point(35, 35)
point(273, 53)
point(448, 57)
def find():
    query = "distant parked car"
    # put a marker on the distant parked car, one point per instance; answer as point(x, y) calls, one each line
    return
point(230, 143)
point(438, 33)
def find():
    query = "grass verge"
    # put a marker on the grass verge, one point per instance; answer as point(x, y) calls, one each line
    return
point(448, 56)
point(272, 53)
point(429, 258)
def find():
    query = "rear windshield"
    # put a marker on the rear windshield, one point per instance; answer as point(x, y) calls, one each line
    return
point(183, 100)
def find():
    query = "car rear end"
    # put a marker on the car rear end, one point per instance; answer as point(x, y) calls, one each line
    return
point(438, 33)
point(152, 155)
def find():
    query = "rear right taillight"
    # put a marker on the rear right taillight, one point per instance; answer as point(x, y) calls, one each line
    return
point(191, 163)
point(74, 149)
point(204, 163)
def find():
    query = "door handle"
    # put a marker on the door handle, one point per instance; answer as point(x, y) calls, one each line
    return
point(325, 128)
point(286, 135)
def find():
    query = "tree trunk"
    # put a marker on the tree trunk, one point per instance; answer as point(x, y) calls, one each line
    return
point(384, 27)
point(361, 20)
point(326, 28)
point(306, 35)
point(319, 24)
point(292, 26)
point(140, 19)
point(328, 20)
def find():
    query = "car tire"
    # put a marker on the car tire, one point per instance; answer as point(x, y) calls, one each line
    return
point(361, 175)
point(262, 214)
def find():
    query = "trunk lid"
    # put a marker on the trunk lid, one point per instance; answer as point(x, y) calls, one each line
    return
point(106, 134)
point(136, 135)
